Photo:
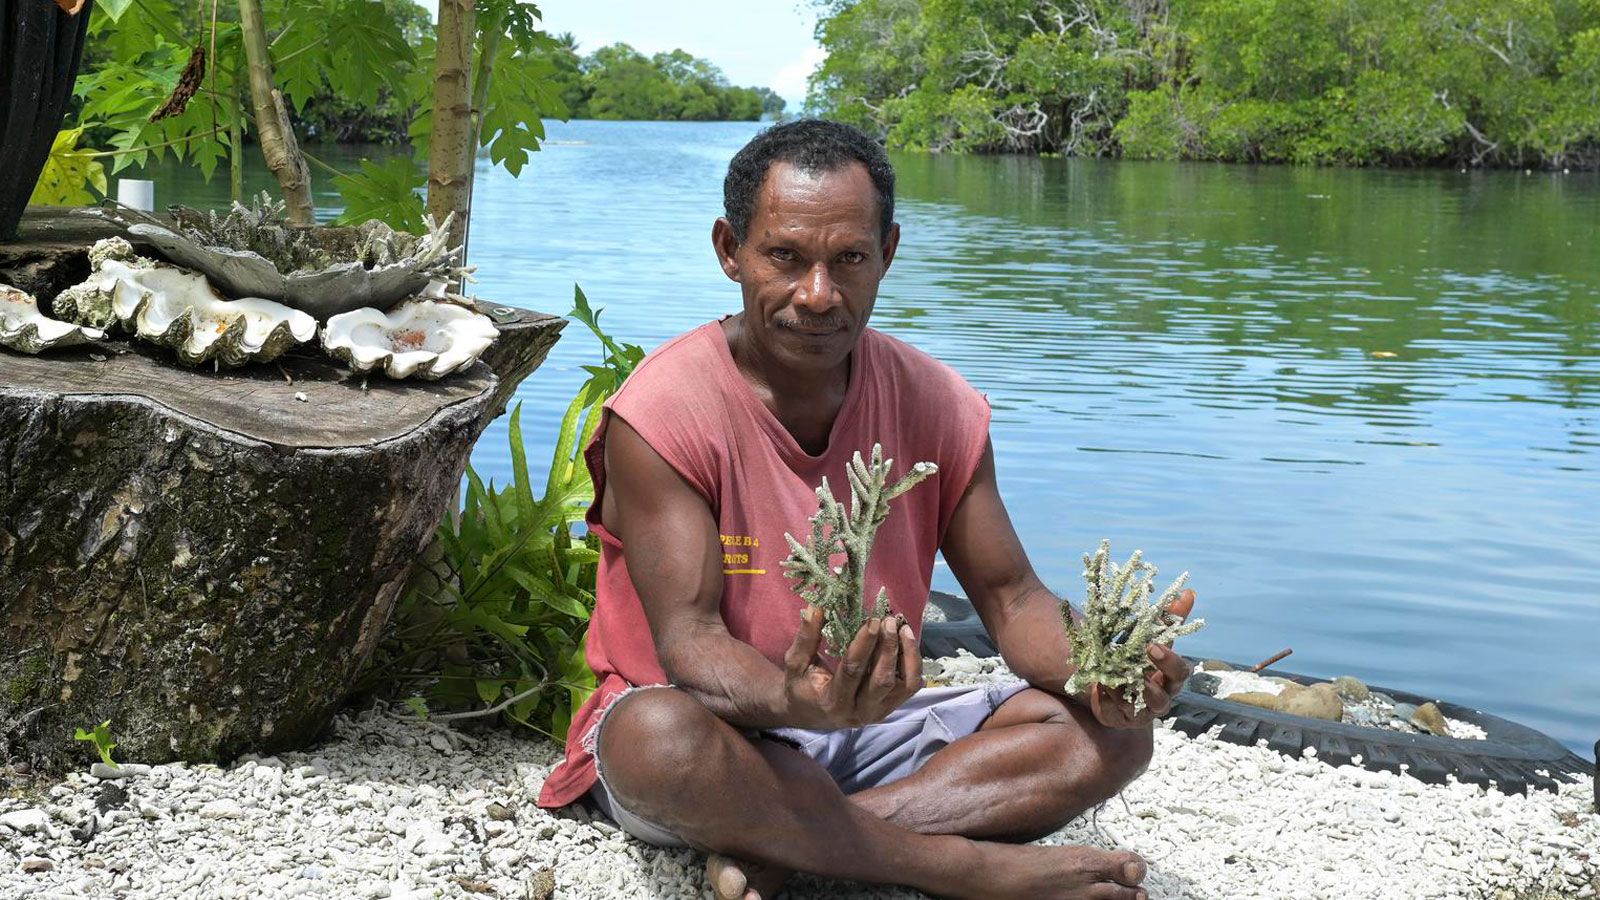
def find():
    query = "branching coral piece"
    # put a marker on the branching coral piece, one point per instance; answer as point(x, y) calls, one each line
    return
point(1109, 645)
point(841, 590)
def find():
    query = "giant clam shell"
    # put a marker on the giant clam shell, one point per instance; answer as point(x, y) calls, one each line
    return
point(181, 310)
point(252, 252)
point(429, 339)
point(23, 327)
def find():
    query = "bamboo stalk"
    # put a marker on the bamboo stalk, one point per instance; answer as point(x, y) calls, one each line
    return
point(273, 130)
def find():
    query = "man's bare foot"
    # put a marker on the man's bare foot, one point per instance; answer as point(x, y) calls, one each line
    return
point(1032, 872)
point(732, 879)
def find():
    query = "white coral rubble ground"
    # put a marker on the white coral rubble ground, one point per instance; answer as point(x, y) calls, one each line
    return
point(401, 809)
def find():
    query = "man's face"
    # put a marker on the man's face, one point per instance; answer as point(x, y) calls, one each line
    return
point(810, 264)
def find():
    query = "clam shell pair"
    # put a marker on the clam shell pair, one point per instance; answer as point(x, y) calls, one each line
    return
point(179, 309)
point(429, 338)
point(23, 327)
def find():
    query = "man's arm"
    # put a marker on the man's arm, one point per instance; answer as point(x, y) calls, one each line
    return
point(1023, 616)
point(674, 556)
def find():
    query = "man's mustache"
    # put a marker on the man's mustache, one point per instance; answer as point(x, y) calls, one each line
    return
point(803, 323)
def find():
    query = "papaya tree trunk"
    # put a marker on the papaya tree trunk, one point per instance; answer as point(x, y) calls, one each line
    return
point(452, 152)
point(493, 33)
point(273, 130)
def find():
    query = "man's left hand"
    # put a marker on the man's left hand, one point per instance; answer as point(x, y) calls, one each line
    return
point(1160, 686)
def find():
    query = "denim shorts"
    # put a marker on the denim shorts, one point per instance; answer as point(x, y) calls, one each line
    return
point(856, 758)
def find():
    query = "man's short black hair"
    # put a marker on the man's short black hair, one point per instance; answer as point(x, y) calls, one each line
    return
point(813, 146)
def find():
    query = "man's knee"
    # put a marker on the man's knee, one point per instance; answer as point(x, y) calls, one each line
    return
point(651, 732)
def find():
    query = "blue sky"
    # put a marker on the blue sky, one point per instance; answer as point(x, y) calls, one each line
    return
point(755, 42)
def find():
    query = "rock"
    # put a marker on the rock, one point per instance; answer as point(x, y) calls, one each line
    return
point(112, 773)
point(1203, 684)
point(1316, 702)
point(1383, 698)
point(224, 808)
point(501, 813)
point(27, 821)
point(36, 864)
point(542, 884)
point(1361, 715)
point(1260, 699)
point(1429, 719)
point(1215, 665)
point(1351, 688)
point(1404, 711)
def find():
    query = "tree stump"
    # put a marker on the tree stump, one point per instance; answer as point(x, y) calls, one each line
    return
point(205, 559)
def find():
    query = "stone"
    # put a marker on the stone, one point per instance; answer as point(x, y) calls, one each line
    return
point(26, 821)
point(501, 813)
point(1429, 719)
point(1315, 702)
point(36, 864)
point(1361, 715)
point(225, 808)
point(1404, 711)
point(1203, 684)
point(542, 884)
point(125, 770)
point(1260, 699)
point(1215, 665)
point(1351, 688)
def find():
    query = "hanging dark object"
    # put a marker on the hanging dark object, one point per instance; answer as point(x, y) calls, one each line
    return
point(40, 46)
point(193, 74)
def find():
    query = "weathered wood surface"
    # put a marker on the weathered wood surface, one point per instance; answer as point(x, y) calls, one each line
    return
point(205, 558)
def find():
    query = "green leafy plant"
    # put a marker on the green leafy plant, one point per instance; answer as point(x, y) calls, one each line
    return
point(502, 634)
point(101, 738)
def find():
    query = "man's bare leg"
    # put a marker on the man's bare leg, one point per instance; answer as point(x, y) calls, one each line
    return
point(766, 803)
point(1033, 766)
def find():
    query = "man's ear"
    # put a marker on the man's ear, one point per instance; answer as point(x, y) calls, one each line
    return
point(891, 244)
point(726, 243)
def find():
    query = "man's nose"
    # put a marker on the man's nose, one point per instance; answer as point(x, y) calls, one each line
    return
point(817, 292)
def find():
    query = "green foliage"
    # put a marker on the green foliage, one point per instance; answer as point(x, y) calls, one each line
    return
point(68, 173)
point(504, 628)
point(390, 191)
point(1475, 82)
point(101, 738)
point(619, 82)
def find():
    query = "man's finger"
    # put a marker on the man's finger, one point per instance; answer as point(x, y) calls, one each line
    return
point(910, 660)
point(806, 640)
point(853, 667)
point(882, 683)
point(1172, 666)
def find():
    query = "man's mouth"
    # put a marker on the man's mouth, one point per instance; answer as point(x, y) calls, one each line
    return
point(811, 329)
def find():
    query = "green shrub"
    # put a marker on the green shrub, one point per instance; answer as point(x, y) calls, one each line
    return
point(500, 630)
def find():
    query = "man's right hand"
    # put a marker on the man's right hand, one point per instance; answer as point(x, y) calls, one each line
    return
point(880, 670)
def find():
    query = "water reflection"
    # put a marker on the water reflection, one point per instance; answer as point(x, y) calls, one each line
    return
point(1360, 406)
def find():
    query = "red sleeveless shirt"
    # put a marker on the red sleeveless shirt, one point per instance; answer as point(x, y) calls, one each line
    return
point(689, 402)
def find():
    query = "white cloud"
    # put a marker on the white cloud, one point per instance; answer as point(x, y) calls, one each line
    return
point(790, 82)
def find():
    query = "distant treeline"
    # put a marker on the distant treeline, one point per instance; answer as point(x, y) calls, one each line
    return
point(614, 82)
point(619, 82)
point(1389, 82)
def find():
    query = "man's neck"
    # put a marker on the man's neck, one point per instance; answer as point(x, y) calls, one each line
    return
point(804, 402)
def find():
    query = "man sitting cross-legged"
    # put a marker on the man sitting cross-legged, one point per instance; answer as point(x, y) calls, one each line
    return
point(764, 752)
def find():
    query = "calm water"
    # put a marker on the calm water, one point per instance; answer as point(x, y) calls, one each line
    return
point(1194, 360)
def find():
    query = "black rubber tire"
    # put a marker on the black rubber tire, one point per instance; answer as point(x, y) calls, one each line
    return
point(1513, 757)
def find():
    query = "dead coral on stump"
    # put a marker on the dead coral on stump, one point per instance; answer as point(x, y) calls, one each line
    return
point(1109, 643)
point(840, 591)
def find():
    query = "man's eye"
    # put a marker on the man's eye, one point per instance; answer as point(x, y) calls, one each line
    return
point(852, 257)
point(783, 255)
